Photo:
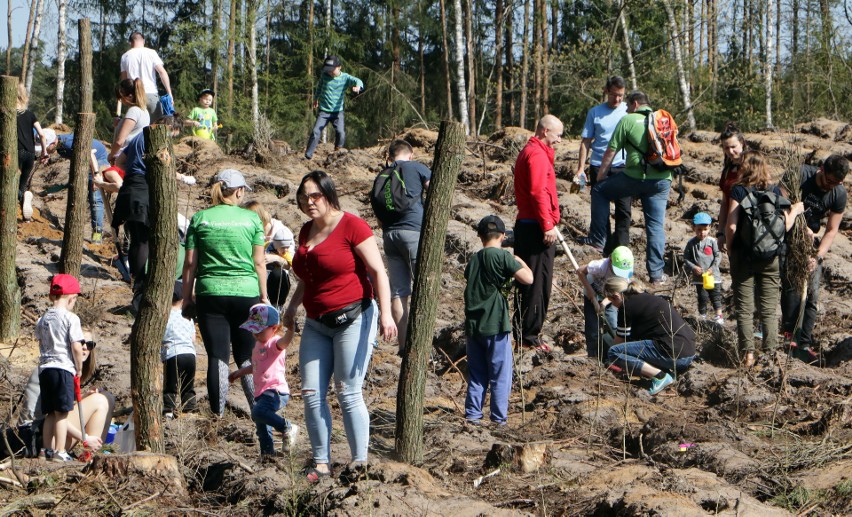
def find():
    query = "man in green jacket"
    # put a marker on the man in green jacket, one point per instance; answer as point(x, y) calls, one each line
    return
point(328, 97)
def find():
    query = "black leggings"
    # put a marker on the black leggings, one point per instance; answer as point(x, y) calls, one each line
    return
point(219, 319)
point(179, 377)
point(26, 163)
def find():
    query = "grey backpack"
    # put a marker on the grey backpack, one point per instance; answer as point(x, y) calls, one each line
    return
point(762, 229)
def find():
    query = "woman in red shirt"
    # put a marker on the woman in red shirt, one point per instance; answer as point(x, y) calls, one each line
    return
point(733, 145)
point(339, 267)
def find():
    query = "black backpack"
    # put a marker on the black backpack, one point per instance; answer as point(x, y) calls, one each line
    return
point(762, 228)
point(389, 197)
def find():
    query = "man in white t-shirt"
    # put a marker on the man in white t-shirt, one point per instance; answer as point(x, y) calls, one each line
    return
point(141, 62)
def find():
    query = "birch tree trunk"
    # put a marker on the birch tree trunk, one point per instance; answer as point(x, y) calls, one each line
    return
point(525, 65)
point(471, 67)
point(678, 56)
point(28, 38)
point(34, 49)
point(232, 42)
point(60, 62)
point(251, 15)
point(769, 66)
point(461, 88)
point(446, 58)
point(628, 50)
point(498, 63)
point(10, 292)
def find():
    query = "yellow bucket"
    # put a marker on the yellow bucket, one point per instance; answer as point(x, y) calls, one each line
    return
point(202, 132)
point(709, 280)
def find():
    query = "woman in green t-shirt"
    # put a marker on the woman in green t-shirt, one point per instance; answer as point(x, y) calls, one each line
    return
point(225, 263)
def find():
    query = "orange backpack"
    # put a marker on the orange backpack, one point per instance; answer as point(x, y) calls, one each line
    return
point(663, 148)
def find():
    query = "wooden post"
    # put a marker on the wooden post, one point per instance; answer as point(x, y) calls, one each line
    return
point(71, 256)
point(449, 153)
point(146, 379)
point(84, 35)
point(10, 293)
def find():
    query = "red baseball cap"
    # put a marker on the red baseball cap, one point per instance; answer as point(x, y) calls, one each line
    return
point(64, 284)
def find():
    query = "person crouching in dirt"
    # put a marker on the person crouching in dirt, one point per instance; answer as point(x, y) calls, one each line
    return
point(823, 194)
point(749, 272)
point(595, 304)
point(487, 324)
point(652, 339)
point(280, 247)
point(97, 405)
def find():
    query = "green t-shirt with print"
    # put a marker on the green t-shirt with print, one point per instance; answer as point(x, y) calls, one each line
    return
point(207, 118)
point(485, 307)
point(630, 135)
point(223, 238)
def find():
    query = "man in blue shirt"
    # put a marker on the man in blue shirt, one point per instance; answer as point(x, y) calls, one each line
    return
point(401, 237)
point(600, 123)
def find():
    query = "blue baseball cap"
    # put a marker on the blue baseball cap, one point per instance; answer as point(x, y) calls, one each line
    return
point(702, 218)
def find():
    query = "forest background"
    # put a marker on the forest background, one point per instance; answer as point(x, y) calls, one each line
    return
point(487, 63)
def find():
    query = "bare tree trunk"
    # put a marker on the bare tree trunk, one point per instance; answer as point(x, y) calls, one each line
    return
point(525, 65)
point(498, 63)
point(310, 67)
point(449, 153)
point(71, 256)
point(794, 35)
point(628, 48)
point(778, 38)
point(471, 67)
point(537, 59)
point(446, 58)
point(215, 37)
point(251, 18)
point(10, 292)
point(268, 50)
point(554, 24)
point(703, 26)
point(421, 58)
point(395, 43)
point(60, 63)
point(461, 88)
point(510, 59)
point(545, 60)
point(28, 38)
point(689, 27)
point(34, 48)
point(232, 42)
point(681, 74)
point(9, 43)
point(769, 66)
point(146, 379)
point(84, 40)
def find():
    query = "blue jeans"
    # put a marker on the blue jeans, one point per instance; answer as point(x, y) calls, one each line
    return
point(401, 252)
point(323, 118)
point(631, 356)
point(654, 195)
point(96, 207)
point(595, 346)
point(344, 351)
point(265, 415)
point(489, 363)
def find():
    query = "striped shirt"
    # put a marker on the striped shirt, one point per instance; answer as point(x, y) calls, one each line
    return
point(330, 90)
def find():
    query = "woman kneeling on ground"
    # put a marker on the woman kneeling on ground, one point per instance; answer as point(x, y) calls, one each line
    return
point(651, 337)
point(335, 261)
point(97, 404)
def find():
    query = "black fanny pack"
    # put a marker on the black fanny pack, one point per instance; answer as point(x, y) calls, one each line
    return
point(344, 315)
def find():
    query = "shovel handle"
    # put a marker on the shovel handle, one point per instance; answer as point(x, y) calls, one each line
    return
point(80, 409)
point(566, 249)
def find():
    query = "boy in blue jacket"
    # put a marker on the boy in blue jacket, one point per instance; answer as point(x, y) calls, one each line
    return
point(328, 97)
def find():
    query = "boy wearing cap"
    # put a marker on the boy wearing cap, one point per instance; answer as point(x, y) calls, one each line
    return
point(595, 305)
point(487, 324)
point(203, 117)
point(700, 256)
point(178, 356)
point(60, 340)
point(269, 367)
point(328, 97)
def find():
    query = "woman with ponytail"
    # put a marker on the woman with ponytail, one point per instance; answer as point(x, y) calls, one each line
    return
point(226, 265)
point(131, 94)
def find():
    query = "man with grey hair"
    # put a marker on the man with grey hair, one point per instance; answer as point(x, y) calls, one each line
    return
point(649, 184)
point(535, 227)
point(141, 62)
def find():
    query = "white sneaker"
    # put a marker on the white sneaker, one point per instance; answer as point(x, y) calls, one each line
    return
point(62, 457)
point(290, 438)
point(27, 207)
point(719, 320)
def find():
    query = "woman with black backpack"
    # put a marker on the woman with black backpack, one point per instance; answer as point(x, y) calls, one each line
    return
point(758, 218)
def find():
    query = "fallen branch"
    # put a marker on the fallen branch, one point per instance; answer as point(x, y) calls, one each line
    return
point(11, 482)
point(478, 481)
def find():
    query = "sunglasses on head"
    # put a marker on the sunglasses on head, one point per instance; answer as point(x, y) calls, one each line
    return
point(89, 345)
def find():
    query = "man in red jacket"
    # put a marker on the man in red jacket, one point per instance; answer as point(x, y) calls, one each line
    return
point(535, 227)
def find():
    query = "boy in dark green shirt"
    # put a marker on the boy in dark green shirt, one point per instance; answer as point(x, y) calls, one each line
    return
point(489, 348)
point(328, 98)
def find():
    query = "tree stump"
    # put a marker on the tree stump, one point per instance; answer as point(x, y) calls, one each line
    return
point(163, 467)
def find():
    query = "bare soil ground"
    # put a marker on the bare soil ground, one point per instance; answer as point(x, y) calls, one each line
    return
point(773, 441)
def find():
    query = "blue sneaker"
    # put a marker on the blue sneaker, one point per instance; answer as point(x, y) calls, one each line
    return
point(658, 385)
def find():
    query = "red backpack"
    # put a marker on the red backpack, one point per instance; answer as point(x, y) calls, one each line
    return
point(663, 151)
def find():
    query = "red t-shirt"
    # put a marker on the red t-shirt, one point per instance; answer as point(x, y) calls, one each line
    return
point(333, 274)
point(730, 177)
point(535, 184)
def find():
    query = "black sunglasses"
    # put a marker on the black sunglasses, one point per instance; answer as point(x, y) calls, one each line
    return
point(90, 344)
